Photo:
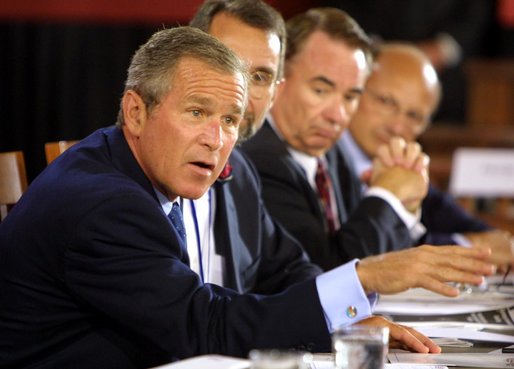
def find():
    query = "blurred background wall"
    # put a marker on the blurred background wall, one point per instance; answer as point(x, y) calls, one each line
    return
point(63, 62)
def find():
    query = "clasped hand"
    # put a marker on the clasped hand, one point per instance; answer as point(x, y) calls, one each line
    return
point(402, 168)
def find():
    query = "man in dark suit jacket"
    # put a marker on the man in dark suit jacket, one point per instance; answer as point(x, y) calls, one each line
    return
point(313, 106)
point(400, 97)
point(92, 272)
point(258, 255)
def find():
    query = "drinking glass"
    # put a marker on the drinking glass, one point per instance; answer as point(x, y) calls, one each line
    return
point(360, 347)
point(279, 359)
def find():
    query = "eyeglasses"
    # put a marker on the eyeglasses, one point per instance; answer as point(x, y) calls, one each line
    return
point(260, 83)
point(390, 106)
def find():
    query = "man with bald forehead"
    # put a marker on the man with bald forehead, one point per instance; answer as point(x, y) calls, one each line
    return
point(400, 97)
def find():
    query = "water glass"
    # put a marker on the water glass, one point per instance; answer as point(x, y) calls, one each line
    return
point(279, 359)
point(360, 347)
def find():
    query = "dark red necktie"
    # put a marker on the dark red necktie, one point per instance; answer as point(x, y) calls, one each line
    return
point(324, 185)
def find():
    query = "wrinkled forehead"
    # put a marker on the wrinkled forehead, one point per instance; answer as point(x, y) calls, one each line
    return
point(195, 77)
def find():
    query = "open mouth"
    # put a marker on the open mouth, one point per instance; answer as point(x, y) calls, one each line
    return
point(204, 165)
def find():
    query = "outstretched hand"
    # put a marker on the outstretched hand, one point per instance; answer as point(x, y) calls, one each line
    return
point(429, 267)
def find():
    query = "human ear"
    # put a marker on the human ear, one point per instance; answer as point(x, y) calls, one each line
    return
point(134, 112)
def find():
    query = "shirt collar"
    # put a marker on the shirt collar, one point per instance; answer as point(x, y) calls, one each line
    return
point(165, 203)
point(359, 159)
point(308, 163)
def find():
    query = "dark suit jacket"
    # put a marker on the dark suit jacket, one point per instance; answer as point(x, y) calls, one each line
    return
point(372, 229)
point(443, 216)
point(259, 254)
point(440, 213)
point(93, 275)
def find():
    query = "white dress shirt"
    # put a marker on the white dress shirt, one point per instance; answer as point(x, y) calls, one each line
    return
point(341, 295)
point(198, 218)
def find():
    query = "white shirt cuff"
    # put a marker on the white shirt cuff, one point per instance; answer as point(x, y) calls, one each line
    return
point(461, 240)
point(342, 297)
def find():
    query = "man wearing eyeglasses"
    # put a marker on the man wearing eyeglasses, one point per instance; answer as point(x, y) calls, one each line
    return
point(400, 96)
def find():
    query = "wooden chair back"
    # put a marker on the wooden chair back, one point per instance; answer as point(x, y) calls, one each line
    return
point(13, 180)
point(54, 149)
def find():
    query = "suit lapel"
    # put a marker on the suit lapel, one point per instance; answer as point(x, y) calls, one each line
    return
point(123, 159)
point(350, 182)
point(227, 240)
point(279, 150)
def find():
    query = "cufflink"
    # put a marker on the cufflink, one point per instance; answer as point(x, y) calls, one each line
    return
point(351, 311)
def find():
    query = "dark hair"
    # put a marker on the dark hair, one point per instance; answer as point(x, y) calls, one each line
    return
point(335, 23)
point(255, 13)
point(154, 63)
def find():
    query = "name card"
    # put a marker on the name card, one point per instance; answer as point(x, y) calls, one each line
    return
point(478, 172)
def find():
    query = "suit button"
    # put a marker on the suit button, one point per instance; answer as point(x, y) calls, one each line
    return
point(351, 311)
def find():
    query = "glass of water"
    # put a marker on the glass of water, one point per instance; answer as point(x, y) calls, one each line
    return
point(360, 347)
point(279, 359)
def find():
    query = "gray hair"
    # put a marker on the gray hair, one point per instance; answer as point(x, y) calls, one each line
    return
point(254, 13)
point(153, 65)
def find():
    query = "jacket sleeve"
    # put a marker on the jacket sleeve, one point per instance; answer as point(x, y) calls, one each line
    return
point(126, 266)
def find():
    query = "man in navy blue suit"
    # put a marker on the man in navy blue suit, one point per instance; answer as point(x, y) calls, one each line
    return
point(400, 97)
point(93, 273)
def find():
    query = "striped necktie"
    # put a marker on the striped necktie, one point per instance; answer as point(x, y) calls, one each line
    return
point(324, 185)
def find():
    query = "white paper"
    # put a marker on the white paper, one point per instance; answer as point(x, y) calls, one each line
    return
point(329, 364)
point(325, 365)
point(421, 303)
point(208, 362)
point(473, 360)
point(451, 342)
point(414, 366)
point(465, 333)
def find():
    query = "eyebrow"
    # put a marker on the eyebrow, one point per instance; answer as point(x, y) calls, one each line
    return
point(323, 80)
point(357, 90)
point(263, 69)
point(209, 103)
point(205, 101)
point(237, 109)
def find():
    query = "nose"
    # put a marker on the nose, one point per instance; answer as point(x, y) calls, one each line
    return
point(398, 125)
point(212, 135)
point(337, 113)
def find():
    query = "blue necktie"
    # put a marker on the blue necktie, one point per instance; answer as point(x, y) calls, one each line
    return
point(175, 216)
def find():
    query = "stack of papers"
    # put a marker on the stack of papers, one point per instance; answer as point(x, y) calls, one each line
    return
point(471, 360)
point(422, 303)
point(463, 333)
